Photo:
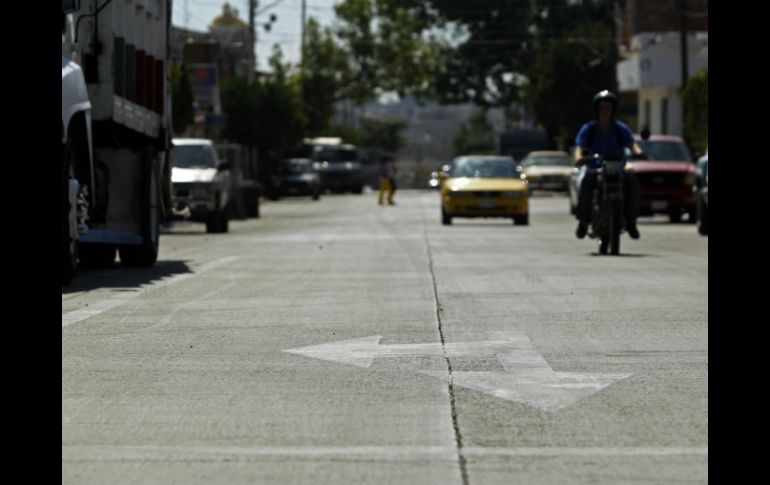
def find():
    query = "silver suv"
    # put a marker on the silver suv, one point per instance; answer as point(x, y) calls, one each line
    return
point(201, 184)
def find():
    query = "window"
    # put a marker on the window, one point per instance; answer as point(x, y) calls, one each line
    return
point(666, 150)
point(186, 156)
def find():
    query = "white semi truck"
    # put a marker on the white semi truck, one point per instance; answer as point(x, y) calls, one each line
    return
point(116, 119)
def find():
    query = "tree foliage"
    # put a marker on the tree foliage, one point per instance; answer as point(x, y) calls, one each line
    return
point(182, 112)
point(382, 134)
point(266, 113)
point(324, 75)
point(476, 136)
point(488, 52)
point(563, 80)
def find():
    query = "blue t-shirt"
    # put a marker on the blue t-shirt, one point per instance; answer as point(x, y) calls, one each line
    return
point(605, 143)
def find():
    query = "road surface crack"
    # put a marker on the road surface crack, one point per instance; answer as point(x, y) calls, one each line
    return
point(455, 423)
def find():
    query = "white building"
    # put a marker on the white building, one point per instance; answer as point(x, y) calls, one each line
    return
point(653, 70)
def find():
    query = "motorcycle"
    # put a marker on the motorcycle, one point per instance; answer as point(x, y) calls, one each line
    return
point(607, 214)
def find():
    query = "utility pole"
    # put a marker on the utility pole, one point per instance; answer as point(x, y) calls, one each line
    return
point(611, 47)
point(683, 41)
point(683, 46)
point(252, 38)
point(302, 41)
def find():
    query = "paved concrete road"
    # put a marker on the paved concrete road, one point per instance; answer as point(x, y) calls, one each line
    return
point(342, 342)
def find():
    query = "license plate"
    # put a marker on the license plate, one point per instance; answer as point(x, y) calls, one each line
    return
point(487, 203)
point(659, 205)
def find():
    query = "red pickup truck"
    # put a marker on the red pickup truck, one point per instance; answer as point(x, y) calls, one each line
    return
point(667, 178)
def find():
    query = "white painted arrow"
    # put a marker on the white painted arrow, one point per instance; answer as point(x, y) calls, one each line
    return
point(528, 378)
point(543, 389)
point(361, 352)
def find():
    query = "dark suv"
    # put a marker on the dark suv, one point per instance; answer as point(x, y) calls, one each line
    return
point(296, 176)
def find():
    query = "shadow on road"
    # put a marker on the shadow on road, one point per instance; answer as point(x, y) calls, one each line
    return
point(118, 276)
point(623, 255)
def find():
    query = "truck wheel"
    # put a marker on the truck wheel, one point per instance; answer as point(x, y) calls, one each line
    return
point(445, 218)
point(146, 253)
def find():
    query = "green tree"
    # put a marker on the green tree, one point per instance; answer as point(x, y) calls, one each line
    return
point(240, 103)
point(266, 114)
point(389, 45)
point(455, 52)
point(565, 76)
point(182, 113)
point(476, 136)
point(324, 74)
point(695, 99)
point(382, 134)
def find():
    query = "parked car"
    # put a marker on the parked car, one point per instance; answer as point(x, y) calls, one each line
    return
point(339, 166)
point(200, 183)
point(701, 190)
point(296, 176)
point(666, 179)
point(484, 186)
point(547, 170)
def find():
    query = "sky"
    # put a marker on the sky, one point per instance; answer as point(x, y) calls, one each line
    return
point(285, 31)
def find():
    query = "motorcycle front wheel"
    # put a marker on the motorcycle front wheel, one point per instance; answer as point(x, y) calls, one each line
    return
point(614, 233)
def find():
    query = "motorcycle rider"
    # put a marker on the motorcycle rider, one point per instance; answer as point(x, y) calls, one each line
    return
point(606, 137)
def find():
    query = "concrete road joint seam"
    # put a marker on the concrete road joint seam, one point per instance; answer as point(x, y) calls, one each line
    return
point(455, 424)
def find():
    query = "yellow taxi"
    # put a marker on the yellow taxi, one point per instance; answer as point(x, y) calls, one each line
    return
point(484, 186)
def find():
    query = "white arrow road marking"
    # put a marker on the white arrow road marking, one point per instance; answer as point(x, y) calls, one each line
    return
point(528, 378)
point(543, 389)
point(361, 352)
